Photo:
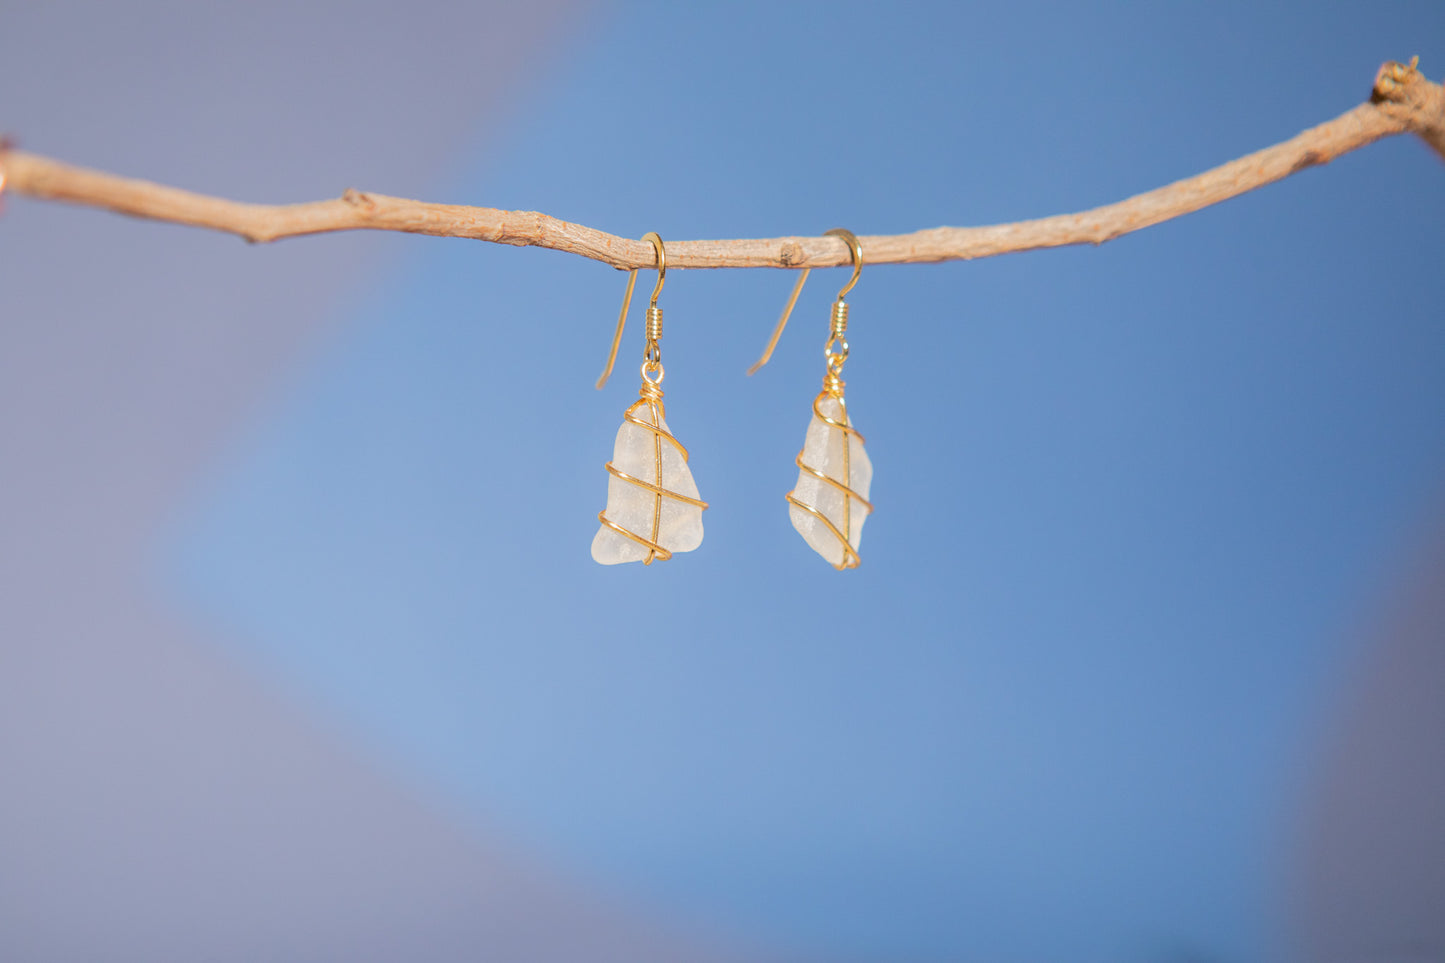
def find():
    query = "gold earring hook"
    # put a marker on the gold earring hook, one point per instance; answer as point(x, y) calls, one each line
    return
point(627, 302)
point(782, 322)
point(855, 250)
point(661, 264)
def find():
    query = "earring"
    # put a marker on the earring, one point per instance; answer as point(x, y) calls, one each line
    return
point(830, 502)
point(652, 505)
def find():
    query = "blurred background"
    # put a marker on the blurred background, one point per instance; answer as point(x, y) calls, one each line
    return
point(302, 652)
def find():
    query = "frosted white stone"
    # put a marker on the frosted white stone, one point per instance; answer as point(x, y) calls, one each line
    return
point(679, 524)
point(823, 450)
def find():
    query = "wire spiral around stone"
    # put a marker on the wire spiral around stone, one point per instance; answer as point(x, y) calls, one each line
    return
point(834, 390)
point(651, 400)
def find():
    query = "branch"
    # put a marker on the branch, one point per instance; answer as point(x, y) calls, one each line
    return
point(1403, 101)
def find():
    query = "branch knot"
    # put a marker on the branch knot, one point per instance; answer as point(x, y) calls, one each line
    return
point(358, 198)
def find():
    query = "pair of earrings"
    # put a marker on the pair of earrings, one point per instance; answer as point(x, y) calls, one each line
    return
point(653, 508)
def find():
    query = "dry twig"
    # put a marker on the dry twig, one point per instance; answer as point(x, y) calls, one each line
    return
point(1402, 101)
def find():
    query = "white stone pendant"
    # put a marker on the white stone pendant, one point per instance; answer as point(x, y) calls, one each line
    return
point(652, 505)
point(830, 502)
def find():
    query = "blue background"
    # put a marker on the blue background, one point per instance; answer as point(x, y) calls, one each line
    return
point(1131, 501)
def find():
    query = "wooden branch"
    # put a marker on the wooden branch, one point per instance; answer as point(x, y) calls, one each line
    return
point(1403, 101)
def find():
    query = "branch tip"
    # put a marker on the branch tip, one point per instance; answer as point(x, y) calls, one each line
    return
point(1404, 93)
point(1393, 80)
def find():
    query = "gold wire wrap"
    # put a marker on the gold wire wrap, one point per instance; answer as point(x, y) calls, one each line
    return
point(834, 390)
point(835, 353)
point(651, 399)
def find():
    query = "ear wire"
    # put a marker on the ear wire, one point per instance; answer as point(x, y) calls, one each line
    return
point(855, 250)
point(654, 314)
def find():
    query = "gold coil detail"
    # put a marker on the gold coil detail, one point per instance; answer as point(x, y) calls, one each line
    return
point(654, 323)
point(651, 399)
point(851, 558)
point(835, 352)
